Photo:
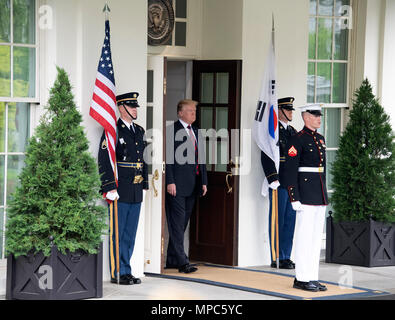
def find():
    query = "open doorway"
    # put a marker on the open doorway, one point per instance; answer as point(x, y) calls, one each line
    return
point(178, 87)
point(211, 235)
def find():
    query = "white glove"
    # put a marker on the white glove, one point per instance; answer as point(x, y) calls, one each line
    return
point(112, 195)
point(297, 205)
point(274, 185)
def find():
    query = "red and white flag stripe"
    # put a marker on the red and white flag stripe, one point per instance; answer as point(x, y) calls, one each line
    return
point(103, 105)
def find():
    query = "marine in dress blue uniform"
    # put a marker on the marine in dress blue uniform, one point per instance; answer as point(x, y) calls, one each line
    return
point(286, 214)
point(132, 180)
point(306, 183)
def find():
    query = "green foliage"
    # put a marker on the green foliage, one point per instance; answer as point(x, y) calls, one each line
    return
point(58, 186)
point(364, 169)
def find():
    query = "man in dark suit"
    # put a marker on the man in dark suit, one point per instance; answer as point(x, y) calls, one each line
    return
point(186, 178)
point(132, 180)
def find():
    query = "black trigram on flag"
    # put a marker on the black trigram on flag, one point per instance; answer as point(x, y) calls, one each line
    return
point(260, 110)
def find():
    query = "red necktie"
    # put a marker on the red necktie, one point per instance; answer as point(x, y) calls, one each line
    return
point(196, 148)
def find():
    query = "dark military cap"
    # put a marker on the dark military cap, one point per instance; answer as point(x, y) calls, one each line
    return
point(286, 103)
point(130, 99)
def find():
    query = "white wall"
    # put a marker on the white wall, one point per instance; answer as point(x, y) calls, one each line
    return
point(222, 29)
point(291, 24)
point(194, 36)
point(373, 43)
point(379, 50)
point(74, 43)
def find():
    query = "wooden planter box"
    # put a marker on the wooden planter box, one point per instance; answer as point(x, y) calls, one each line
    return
point(366, 244)
point(57, 277)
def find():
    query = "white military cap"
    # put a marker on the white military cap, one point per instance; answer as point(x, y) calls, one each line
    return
point(314, 109)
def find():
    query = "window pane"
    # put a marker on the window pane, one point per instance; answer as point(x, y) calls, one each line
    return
point(310, 82)
point(341, 40)
point(181, 34)
point(150, 86)
point(222, 87)
point(206, 117)
point(330, 158)
point(221, 118)
point(18, 126)
point(323, 82)
point(207, 87)
point(312, 37)
point(24, 21)
point(325, 8)
point(5, 71)
point(2, 126)
point(313, 7)
point(1, 232)
point(222, 155)
point(333, 118)
point(5, 21)
point(210, 158)
point(340, 9)
point(14, 167)
point(324, 39)
point(24, 72)
point(339, 82)
point(181, 8)
point(2, 171)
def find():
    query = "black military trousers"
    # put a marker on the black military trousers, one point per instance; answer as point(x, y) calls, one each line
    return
point(178, 212)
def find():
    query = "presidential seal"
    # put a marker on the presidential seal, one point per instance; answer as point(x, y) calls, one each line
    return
point(160, 21)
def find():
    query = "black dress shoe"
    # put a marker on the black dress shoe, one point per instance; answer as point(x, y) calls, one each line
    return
point(187, 268)
point(287, 264)
point(123, 279)
point(134, 279)
point(283, 264)
point(307, 286)
point(320, 286)
point(291, 262)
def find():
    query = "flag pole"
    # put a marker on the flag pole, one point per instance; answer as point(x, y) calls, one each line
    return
point(273, 222)
point(275, 192)
point(277, 234)
point(114, 212)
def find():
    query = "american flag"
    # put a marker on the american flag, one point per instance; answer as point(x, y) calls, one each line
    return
point(103, 105)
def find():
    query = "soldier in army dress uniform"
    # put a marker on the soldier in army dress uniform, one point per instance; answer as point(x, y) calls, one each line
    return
point(306, 181)
point(276, 180)
point(132, 180)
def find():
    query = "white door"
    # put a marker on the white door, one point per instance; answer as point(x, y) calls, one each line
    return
point(154, 202)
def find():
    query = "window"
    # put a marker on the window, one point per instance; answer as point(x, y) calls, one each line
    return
point(179, 36)
point(328, 65)
point(18, 89)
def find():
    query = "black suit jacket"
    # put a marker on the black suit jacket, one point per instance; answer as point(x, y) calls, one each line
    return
point(180, 160)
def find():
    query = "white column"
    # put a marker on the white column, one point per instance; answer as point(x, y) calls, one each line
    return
point(388, 64)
